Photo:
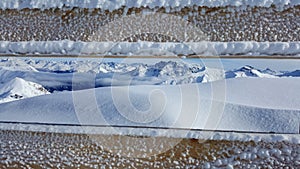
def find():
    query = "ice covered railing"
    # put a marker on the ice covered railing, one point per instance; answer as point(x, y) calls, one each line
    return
point(205, 48)
point(111, 5)
point(226, 21)
point(74, 150)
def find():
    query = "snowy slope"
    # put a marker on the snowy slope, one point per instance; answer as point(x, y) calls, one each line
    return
point(251, 104)
point(18, 88)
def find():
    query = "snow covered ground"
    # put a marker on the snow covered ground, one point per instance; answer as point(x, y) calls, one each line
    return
point(248, 104)
point(66, 47)
point(172, 94)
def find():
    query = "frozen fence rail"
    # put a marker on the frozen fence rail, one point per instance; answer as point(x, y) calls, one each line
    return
point(65, 48)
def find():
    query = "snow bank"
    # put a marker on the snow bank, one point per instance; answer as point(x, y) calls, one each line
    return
point(112, 5)
point(66, 47)
point(250, 105)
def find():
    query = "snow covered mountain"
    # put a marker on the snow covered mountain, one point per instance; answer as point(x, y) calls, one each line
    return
point(18, 88)
point(295, 73)
point(244, 99)
point(28, 78)
point(16, 64)
point(249, 71)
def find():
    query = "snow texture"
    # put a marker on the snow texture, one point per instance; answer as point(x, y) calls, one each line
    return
point(112, 5)
point(250, 104)
point(18, 88)
point(136, 94)
point(205, 48)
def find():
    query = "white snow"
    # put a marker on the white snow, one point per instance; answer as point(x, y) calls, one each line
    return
point(205, 48)
point(249, 104)
point(249, 71)
point(243, 99)
point(112, 5)
point(18, 88)
point(83, 74)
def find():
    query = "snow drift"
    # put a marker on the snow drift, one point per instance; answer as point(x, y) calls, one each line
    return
point(256, 105)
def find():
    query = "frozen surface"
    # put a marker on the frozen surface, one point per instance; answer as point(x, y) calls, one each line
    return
point(224, 24)
point(111, 5)
point(57, 150)
point(205, 48)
